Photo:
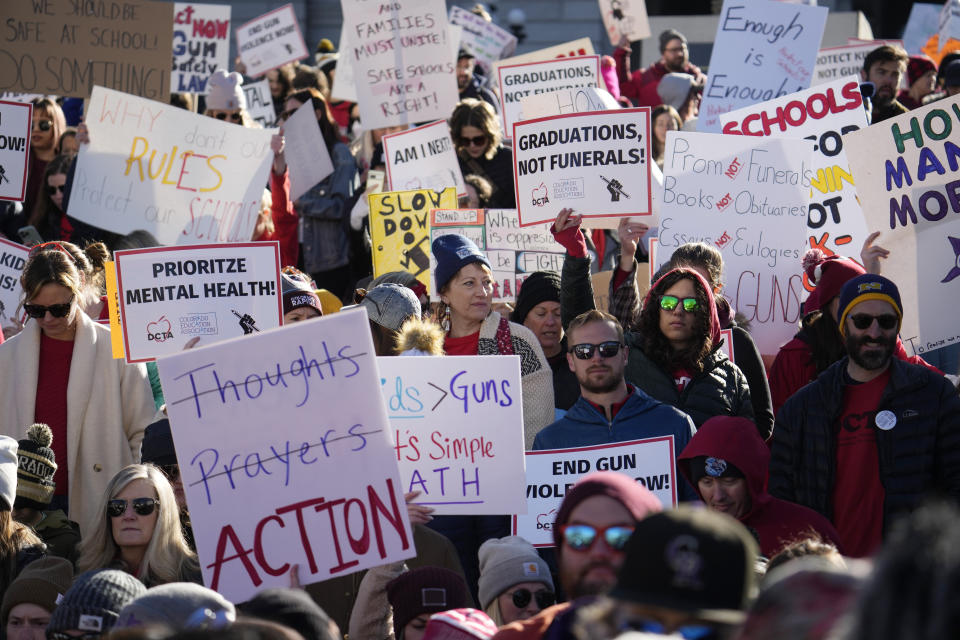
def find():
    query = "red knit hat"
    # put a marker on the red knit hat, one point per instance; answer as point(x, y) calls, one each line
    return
point(828, 274)
point(919, 65)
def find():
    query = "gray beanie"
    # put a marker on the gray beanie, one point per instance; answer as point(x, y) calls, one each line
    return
point(173, 605)
point(505, 562)
point(94, 601)
point(674, 88)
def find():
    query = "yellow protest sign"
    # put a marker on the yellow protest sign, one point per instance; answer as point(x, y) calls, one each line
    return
point(113, 306)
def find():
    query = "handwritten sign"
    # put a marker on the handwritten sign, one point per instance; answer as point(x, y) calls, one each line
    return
point(485, 41)
point(625, 18)
point(65, 47)
point(400, 229)
point(551, 474)
point(270, 41)
point(12, 258)
point(422, 158)
point(823, 114)
point(597, 163)
point(260, 102)
point(277, 468)
point(185, 178)
point(563, 101)
point(530, 78)
point(308, 159)
point(762, 50)
point(907, 178)
point(949, 23)
point(923, 22)
point(16, 122)
point(457, 426)
point(201, 44)
point(749, 198)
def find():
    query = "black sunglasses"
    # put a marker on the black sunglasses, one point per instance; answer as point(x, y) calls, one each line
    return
point(476, 141)
point(43, 125)
point(863, 321)
point(56, 310)
point(544, 598)
point(53, 189)
point(224, 115)
point(141, 506)
point(585, 350)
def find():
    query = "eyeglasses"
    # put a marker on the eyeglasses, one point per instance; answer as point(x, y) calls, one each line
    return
point(53, 189)
point(61, 635)
point(584, 351)
point(669, 303)
point(581, 537)
point(36, 311)
point(544, 598)
point(172, 471)
point(863, 321)
point(141, 506)
point(43, 125)
point(476, 141)
point(223, 115)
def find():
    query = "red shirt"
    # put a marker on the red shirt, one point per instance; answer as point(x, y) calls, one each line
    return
point(51, 402)
point(465, 346)
point(680, 378)
point(858, 493)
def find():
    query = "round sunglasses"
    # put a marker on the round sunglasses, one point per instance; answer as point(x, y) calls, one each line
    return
point(544, 598)
point(581, 537)
point(141, 506)
point(669, 303)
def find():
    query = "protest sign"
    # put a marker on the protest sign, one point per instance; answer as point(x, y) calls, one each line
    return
point(404, 66)
point(555, 103)
point(14, 96)
point(762, 50)
point(422, 158)
point(270, 41)
point(530, 78)
point(923, 22)
point(12, 258)
point(485, 41)
point(948, 25)
point(16, 123)
point(183, 177)
point(201, 44)
point(277, 467)
point(625, 18)
point(822, 114)
point(834, 63)
point(579, 47)
point(343, 82)
point(113, 308)
point(308, 160)
point(551, 474)
point(400, 229)
point(908, 181)
point(748, 197)
point(168, 296)
point(260, 103)
point(457, 425)
point(65, 47)
point(597, 163)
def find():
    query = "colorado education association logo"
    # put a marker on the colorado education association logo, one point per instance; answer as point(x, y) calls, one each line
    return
point(539, 195)
point(159, 330)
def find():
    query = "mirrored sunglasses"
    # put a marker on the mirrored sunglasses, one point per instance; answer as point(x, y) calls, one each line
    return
point(43, 125)
point(581, 537)
point(141, 506)
point(544, 598)
point(863, 321)
point(669, 303)
point(585, 350)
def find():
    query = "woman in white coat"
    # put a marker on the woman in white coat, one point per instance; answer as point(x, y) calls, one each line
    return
point(60, 370)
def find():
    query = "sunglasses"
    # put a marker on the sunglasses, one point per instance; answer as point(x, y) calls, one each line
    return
point(36, 311)
point(477, 141)
point(581, 537)
point(223, 115)
point(53, 245)
point(585, 350)
point(669, 303)
point(141, 506)
point(863, 321)
point(521, 598)
point(54, 189)
point(43, 125)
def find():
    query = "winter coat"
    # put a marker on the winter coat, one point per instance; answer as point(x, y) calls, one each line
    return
point(59, 534)
point(325, 216)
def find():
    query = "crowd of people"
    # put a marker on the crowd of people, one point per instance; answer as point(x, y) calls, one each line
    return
point(818, 496)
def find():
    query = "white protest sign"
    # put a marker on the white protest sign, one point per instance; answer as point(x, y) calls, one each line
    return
point(763, 50)
point(923, 22)
point(555, 103)
point(201, 45)
point(168, 296)
point(839, 62)
point(285, 454)
point(21, 97)
point(625, 18)
point(16, 123)
point(185, 178)
point(596, 163)
point(260, 102)
point(748, 197)
point(908, 180)
point(949, 23)
point(343, 81)
point(579, 47)
point(404, 65)
point(270, 41)
point(485, 41)
point(457, 425)
point(823, 114)
point(422, 158)
point(530, 78)
point(12, 258)
point(551, 474)
point(308, 159)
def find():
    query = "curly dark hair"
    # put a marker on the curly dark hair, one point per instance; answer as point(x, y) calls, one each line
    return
point(656, 346)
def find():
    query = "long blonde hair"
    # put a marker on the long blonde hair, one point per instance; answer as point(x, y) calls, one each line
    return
point(167, 556)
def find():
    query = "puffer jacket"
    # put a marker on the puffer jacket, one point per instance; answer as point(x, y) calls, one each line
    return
point(918, 457)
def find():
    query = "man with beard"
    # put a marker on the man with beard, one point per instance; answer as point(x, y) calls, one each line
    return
point(884, 67)
point(641, 86)
point(610, 410)
point(471, 84)
point(873, 435)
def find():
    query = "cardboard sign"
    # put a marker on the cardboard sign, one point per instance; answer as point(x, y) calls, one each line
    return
point(260, 103)
point(551, 474)
point(113, 309)
point(530, 78)
point(486, 41)
point(596, 163)
point(625, 18)
point(201, 44)
point(285, 454)
point(16, 123)
point(404, 66)
point(749, 198)
point(65, 47)
point(270, 41)
point(822, 114)
point(762, 50)
point(185, 178)
point(400, 229)
point(906, 172)
point(457, 428)
point(563, 101)
point(12, 258)
point(422, 158)
point(169, 296)
point(305, 150)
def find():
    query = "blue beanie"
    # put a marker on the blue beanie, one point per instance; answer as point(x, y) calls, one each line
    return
point(452, 253)
point(868, 287)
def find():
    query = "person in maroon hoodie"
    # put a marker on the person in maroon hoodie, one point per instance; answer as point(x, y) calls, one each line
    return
point(726, 463)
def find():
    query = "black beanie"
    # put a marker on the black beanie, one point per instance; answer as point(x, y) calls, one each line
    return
point(157, 446)
point(292, 608)
point(542, 286)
